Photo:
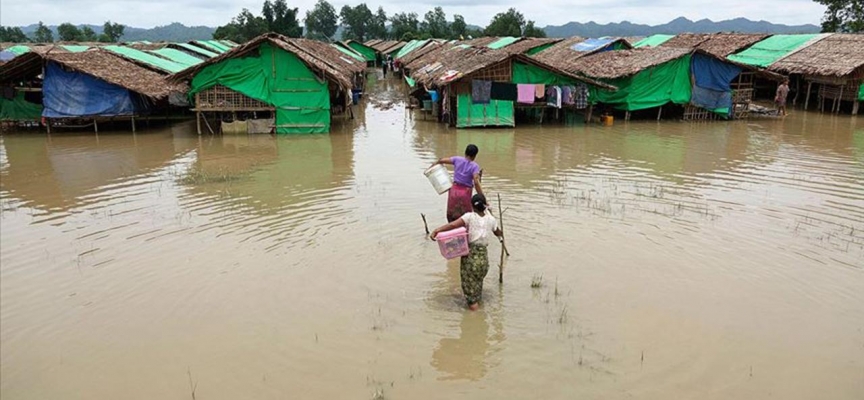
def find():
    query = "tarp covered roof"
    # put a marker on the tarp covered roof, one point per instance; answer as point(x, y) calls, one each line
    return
point(653, 41)
point(768, 51)
point(149, 60)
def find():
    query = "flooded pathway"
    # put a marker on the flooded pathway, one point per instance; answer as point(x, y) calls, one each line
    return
point(674, 260)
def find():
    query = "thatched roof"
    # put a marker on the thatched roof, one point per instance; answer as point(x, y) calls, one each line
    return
point(115, 70)
point(23, 67)
point(718, 44)
point(319, 56)
point(481, 41)
point(465, 60)
point(837, 55)
point(395, 45)
point(372, 42)
point(622, 63)
point(562, 55)
point(526, 44)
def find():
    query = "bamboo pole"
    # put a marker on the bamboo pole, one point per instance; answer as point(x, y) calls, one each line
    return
point(503, 244)
point(425, 225)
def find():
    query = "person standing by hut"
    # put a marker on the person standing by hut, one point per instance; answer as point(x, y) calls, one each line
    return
point(780, 97)
point(466, 177)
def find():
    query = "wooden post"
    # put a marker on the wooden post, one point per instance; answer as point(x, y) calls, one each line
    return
point(855, 107)
point(659, 112)
point(133, 124)
point(198, 120)
point(96, 126)
point(48, 125)
point(627, 116)
point(503, 246)
point(807, 98)
point(839, 100)
point(590, 114)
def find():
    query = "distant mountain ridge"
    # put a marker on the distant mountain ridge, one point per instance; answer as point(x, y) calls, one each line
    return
point(678, 25)
point(174, 32)
point(177, 32)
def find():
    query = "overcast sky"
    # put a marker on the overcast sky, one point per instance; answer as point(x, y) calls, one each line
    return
point(149, 13)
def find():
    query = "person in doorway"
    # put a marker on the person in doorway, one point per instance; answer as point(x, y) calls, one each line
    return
point(780, 97)
point(466, 177)
point(481, 226)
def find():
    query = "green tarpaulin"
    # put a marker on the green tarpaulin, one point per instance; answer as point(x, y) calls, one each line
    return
point(198, 50)
point(861, 93)
point(228, 43)
point(665, 83)
point(18, 50)
point(212, 45)
point(75, 48)
point(146, 58)
point(528, 73)
point(496, 113)
point(302, 101)
point(350, 53)
point(764, 53)
point(177, 56)
point(411, 82)
point(503, 42)
point(19, 109)
point(539, 49)
point(365, 51)
point(653, 41)
point(411, 46)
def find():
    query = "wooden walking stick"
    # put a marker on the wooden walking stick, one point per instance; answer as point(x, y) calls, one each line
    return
point(503, 245)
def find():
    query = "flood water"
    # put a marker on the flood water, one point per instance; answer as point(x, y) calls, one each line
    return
point(678, 260)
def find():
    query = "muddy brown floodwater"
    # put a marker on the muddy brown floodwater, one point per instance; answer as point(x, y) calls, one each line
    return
point(675, 260)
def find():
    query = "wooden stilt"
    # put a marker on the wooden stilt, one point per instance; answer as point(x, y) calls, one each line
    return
point(198, 120)
point(48, 125)
point(96, 126)
point(659, 112)
point(590, 114)
point(855, 105)
point(133, 124)
point(839, 100)
point(807, 97)
point(627, 116)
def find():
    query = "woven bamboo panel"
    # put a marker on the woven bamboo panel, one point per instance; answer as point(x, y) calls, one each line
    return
point(830, 92)
point(693, 113)
point(221, 98)
point(501, 72)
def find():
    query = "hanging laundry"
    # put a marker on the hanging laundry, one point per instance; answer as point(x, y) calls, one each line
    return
point(540, 91)
point(481, 91)
point(504, 91)
point(581, 97)
point(567, 95)
point(433, 94)
point(525, 93)
point(553, 96)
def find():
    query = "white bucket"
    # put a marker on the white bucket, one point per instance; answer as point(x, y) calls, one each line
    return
point(439, 178)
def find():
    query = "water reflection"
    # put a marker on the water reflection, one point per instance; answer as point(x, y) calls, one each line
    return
point(57, 173)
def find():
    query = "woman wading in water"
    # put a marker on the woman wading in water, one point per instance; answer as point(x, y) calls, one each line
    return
point(466, 177)
point(481, 226)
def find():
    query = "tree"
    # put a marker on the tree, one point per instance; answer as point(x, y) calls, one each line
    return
point(356, 21)
point(508, 23)
point(843, 16)
point(111, 32)
point(67, 32)
point(531, 31)
point(13, 35)
point(404, 26)
point(458, 28)
point(242, 28)
point(281, 19)
point(88, 34)
point(43, 34)
point(378, 25)
point(435, 24)
point(321, 21)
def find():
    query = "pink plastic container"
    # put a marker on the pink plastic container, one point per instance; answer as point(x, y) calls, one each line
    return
point(453, 243)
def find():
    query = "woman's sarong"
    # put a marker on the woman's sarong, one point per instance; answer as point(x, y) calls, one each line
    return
point(473, 269)
point(458, 201)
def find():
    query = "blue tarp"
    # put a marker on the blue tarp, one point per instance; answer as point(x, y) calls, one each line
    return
point(715, 100)
point(592, 44)
point(73, 94)
point(6, 55)
point(711, 73)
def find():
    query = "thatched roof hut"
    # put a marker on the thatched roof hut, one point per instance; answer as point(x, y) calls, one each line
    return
point(838, 55)
point(431, 46)
point(320, 56)
point(530, 45)
point(618, 64)
point(718, 44)
point(563, 54)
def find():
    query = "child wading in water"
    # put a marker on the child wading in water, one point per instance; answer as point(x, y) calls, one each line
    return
point(481, 226)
